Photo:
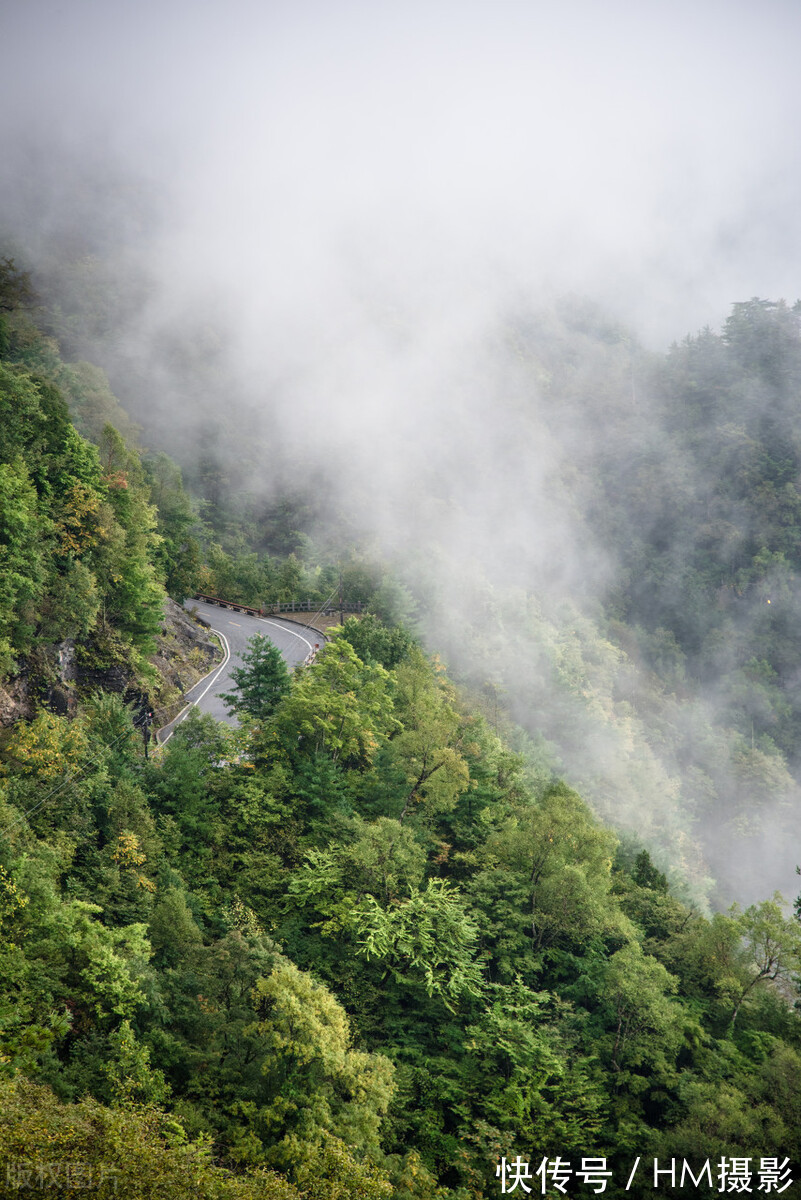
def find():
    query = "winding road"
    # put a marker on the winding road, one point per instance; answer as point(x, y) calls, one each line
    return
point(235, 629)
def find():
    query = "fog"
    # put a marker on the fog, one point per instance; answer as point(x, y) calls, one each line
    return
point(339, 208)
point(642, 153)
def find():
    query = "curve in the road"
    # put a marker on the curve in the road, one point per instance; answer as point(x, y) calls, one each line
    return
point(235, 629)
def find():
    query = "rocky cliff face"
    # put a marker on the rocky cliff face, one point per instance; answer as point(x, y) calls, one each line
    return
point(59, 675)
point(16, 701)
point(184, 654)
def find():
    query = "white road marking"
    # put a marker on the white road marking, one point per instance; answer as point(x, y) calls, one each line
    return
point(211, 678)
point(286, 630)
point(215, 672)
point(222, 664)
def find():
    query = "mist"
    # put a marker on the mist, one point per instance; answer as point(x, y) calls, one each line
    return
point(319, 225)
point(308, 153)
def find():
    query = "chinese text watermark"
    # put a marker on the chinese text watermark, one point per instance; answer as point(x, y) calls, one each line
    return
point(729, 1175)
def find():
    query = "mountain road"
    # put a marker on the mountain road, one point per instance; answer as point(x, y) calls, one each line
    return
point(235, 629)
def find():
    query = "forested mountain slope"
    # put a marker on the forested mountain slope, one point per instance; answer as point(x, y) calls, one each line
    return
point(604, 536)
point(361, 947)
point(655, 650)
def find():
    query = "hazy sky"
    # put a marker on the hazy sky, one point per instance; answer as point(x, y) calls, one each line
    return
point(646, 153)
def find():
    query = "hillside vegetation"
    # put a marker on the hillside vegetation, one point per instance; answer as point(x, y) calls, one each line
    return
point(371, 941)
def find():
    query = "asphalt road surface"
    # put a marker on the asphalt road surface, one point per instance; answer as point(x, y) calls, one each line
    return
point(235, 630)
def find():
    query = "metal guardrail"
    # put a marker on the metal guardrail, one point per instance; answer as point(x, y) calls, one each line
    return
point(284, 606)
point(256, 612)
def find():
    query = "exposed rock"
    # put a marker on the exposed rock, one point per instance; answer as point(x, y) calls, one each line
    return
point(184, 654)
point(114, 678)
point(56, 676)
point(47, 677)
point(16, 703)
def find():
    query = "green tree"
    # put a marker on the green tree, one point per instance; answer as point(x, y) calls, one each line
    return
point(135, 1153)
point(428, 748)
point(647, 1025)
point(771, 950)
point(16, 289)
point(524, 1077)
point(339, 706)
point(21, 418)
point(133, 595)
point(132, 1078)
point(71, 605)
point(26, 1030)
point(316, 1082)
point(261, 683)
point(382, 858)
point(546, 878)
point(428, 941)
point(178, 552)
point(173, 931)
point(374, 641)
point(22, 561)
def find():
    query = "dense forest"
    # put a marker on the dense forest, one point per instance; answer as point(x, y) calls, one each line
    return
point(406, 924)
